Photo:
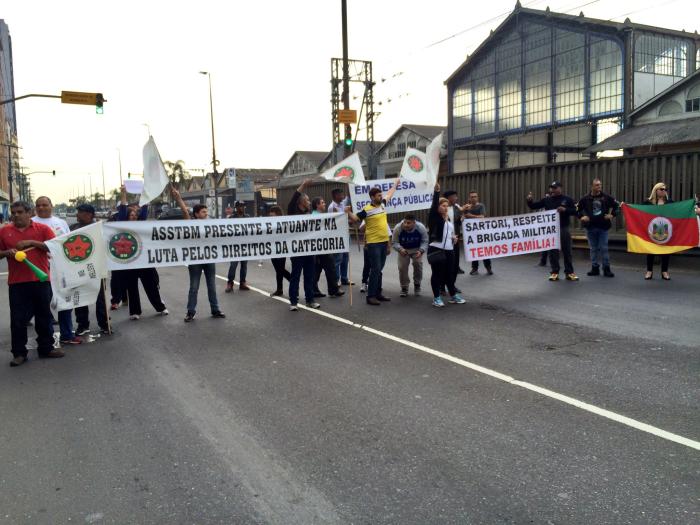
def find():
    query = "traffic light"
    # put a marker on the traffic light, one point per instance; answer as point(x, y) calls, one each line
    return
point(99, 101)
point(348, 137)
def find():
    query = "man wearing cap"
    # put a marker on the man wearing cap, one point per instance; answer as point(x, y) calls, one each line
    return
point(239, 213)
point(28, 296)
point(85, 215)
point(564, 204)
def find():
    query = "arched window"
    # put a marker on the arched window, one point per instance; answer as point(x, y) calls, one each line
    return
point(670, 107)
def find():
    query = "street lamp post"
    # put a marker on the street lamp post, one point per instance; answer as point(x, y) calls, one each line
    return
point(214, 162)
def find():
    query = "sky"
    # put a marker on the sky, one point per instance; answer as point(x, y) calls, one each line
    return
point(269, 62)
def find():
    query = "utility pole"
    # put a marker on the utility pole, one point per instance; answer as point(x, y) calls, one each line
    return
point(120, 166)
point(347, 148)
point(214, 162)
point(104, 190)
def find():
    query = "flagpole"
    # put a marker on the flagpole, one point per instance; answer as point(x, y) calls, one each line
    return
point(104, 296)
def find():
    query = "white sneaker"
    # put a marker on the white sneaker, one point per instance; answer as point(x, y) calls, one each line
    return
point(293, 308)
point(363, 288)
point(457, 299)
point(315, 306)
point(164, 312)
point(134, 317)
point(437, 302)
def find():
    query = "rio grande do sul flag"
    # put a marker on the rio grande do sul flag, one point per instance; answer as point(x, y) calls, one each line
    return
point(668, 228)
point(348, 171)
point(78, 265)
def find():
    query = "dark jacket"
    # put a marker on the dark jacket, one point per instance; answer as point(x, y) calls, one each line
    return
point(552, 202)
point(293, 208)
point(596, 207)
point(436, 224)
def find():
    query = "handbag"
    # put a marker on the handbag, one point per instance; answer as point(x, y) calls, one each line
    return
point(436, 255)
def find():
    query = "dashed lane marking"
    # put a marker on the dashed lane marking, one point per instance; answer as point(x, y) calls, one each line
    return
point(602, 412)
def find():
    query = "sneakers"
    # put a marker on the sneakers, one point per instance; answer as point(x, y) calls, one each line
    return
point(404, 292)
point(81, 330)
point(229, 287)
point(437, 302)
point(314, 306)
point(363, 288)
point(457, 299)
point(218, 314)
point(293, 308)
point(18, 361)
point(595, 270)
point(135, 317)
point(318, 294)
point(347, 283)
point(474, 272)
point(416, 290)
point(373, 301)
point(106, 331)
point(553, 276)
point(243, 286)
point(114, 306)
point(338, 293)
point(189, 317)
point(277, 293)
point(73, 341)
point(164, 311)
point(571, 277)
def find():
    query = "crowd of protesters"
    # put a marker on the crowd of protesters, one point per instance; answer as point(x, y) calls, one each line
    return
point(438, 243)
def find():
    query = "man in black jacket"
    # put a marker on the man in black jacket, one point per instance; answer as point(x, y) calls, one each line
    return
point(596, 211)
point(564, 204)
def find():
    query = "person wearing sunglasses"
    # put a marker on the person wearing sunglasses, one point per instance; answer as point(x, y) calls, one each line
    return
point(659, 196)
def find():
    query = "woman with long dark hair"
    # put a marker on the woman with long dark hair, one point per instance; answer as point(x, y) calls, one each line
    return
point(442, 237)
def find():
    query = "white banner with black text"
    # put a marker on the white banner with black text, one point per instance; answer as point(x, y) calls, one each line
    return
point(142, 244)
point(409, 196)
point(494, 237)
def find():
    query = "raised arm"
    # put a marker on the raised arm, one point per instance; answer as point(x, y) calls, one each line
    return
point(178, 198)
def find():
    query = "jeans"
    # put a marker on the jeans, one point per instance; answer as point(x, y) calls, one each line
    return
point(665, 260)
point(376, 253)
point(82, 313)
point(404, 261)
point(195, 271)
point(342, 261)
point(326, 263)
point(27, 300)
point(232, 271)
point(442, 273)
point(598, 241)
point(280, 272)
point(65, 324)
point(365, 266)
point(565, 237)
point(304, 264)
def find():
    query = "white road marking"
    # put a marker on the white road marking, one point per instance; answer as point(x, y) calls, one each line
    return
point(619, 418)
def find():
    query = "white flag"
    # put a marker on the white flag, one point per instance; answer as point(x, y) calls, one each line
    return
point(348, 170)
point(432, 154)
point(415, 166)
point(155, 179)
point(78, 265)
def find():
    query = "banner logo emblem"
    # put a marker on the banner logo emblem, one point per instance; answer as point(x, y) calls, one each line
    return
point(660, 230)
point(78, 247)
point(344, 172)
point(415, 163)
point(124, 246)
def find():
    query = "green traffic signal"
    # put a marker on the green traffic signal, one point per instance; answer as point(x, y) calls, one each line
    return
point(348, 142)
point(99, 101)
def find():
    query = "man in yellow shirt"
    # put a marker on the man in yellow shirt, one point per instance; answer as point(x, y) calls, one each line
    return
point(377, 240)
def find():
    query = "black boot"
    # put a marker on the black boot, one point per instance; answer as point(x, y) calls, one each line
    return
point(595, 270)
point(607, 272)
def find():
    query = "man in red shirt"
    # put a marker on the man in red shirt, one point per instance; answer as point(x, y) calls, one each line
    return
point(28, 296)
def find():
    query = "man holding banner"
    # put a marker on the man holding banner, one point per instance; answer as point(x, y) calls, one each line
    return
point(29, 295)
point(566, 208)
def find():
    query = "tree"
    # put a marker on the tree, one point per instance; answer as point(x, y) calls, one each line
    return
point(96, 198)
point(176, 172)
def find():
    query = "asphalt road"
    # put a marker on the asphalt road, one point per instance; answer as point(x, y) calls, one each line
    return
point(371, 414)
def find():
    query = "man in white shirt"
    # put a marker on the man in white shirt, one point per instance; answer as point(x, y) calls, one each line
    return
point(43, 208)
point(340, 201)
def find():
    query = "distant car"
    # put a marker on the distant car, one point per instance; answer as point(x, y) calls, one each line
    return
point(173, 214)
point(62, 214)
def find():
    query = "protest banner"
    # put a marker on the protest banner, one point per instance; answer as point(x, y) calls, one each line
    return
point(494, 237)
point(78, 264)
point(409, 195)
point(143, 244)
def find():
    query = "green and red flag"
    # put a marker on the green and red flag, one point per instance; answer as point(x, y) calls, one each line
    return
point(661, 229)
